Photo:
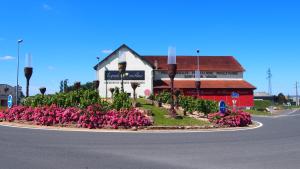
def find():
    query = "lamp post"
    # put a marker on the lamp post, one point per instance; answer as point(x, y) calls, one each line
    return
point(172, 70)
point(17, 90)
point(122, 67)
point(28, 70)
point(197, 75)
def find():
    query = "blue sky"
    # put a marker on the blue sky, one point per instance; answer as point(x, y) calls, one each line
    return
point(65, 37)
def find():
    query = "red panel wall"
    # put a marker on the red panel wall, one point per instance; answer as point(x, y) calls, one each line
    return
point(245, 99)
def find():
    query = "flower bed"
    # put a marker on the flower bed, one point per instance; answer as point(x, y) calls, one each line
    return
point(230, 119)
point(91, 117)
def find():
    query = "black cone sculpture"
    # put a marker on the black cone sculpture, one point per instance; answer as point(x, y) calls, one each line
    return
point(28, 73)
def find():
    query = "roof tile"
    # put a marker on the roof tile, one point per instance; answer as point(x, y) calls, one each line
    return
point(206, 63)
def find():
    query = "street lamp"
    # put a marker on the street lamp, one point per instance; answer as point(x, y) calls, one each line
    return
point(17, 90)
point(28, 73)
point(172, 69)
point(122, 67)
point(197, 75)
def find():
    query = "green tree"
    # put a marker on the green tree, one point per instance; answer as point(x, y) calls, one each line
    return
point(61, 86)
point(66, 85)
point(281, 98)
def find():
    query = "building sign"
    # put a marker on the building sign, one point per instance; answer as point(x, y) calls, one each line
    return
point(129, 75)
point(235, 95)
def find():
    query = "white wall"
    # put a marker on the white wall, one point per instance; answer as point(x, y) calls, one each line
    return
point(133, 63)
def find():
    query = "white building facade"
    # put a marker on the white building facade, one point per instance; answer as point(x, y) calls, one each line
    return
point(137, 70)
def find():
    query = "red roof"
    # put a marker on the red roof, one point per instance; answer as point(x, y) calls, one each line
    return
point(207, 63)
point(205, 84)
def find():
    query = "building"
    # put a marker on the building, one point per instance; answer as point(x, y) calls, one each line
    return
point(220, 76)
point(5, 91)
point(264, 96)
point(294, 99)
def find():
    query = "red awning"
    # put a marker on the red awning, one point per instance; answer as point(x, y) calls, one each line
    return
point(205, 84)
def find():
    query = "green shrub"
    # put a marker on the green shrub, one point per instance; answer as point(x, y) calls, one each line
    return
point(121, 100)
point(209, 106)
point(151, 97)
point(187, 103)
point(80, 98)
point(164, 97)
point(261, 105)
point(190, 104)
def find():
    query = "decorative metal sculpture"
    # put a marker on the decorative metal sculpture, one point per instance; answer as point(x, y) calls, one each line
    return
point(122, 67)
point(43, 90)
point(28, 73)
point(96, 84)
point(134, 85)
point(172, 70)
point(112, 90)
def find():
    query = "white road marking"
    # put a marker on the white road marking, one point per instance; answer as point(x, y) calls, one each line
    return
point(287, 115)
point(293, 111)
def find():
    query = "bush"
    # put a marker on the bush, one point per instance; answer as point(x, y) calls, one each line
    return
point(230, 119)
point(151, 97)
point(121, 100)
point(164, 97)
point(261, 105)
point(209, 106)
point(80, 98)
point(91, 117)
point(187, 103)
point(191, 104)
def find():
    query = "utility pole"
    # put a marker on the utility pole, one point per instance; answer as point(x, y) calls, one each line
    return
point(17, 88)
point(269, 77)
point(297, 99)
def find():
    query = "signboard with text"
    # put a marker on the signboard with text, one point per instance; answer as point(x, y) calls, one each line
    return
point(129, 75)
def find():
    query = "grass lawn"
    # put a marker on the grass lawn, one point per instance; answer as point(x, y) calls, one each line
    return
point(161, 120)
point(261, 113)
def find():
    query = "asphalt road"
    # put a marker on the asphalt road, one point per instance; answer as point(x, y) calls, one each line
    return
point(276, 145)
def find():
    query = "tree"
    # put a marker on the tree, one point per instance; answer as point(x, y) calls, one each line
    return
point(66, 85)
point(281, 98)
point(61, 86)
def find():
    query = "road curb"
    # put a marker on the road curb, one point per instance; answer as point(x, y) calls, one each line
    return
point(153, 129)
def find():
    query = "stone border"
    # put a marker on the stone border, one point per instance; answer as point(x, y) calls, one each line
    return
point(150, 129)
